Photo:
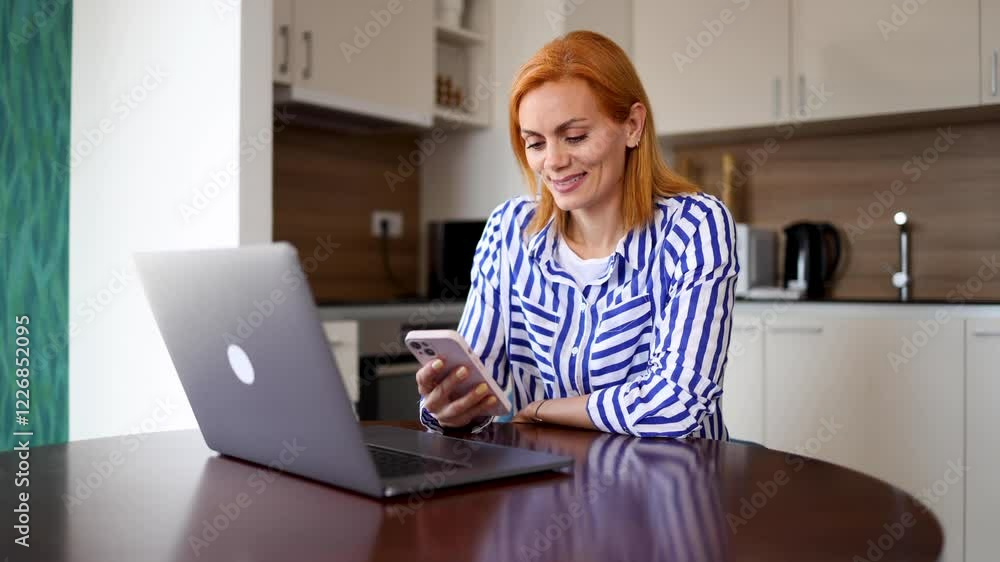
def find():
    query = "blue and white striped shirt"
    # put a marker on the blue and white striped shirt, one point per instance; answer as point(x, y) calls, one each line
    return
point(647, 340)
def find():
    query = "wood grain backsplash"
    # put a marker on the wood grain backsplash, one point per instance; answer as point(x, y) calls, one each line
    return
point(947, 179)
point(326, 185)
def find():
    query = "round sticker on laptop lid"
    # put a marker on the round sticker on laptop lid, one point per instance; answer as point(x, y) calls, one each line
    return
point(240, 362)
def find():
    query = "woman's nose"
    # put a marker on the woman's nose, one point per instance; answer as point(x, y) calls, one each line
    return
point(556, 157)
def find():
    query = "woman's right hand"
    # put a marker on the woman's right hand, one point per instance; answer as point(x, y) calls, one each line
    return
point(437, 391)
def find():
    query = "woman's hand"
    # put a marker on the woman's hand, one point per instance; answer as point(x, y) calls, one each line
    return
point(437, 391)
point(527, 413)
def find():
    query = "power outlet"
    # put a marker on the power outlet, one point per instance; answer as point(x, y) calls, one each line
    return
point(395, 220)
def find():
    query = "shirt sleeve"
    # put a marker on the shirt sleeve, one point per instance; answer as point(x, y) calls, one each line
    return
point(482, 324)
point(691, 333)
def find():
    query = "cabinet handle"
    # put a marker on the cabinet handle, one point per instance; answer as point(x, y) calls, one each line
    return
point(996, 55)
point(307, 36)
point(802, 94)
point(986, 333)
point(283, 67)
point(777, 98)
point(796, 329)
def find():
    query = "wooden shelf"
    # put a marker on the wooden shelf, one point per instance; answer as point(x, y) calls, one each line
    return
point(458, 35)
point(450, 115)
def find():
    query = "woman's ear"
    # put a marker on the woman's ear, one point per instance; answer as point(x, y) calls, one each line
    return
point(634, 124)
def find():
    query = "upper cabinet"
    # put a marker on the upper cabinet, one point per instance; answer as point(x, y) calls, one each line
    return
point(393, 60)
point(370, 57)
point(990, 54)
point(713, 64)
point(282, 59)
point(854, 58)
point(731, 64)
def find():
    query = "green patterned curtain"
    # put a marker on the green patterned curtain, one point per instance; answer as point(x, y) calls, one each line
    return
point(34, 218)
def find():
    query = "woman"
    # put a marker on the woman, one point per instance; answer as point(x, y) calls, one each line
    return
point(605, 301)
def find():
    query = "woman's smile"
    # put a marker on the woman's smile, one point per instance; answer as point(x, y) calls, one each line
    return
point(568, 183)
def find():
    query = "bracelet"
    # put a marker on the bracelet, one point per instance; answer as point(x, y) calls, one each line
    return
point(535, 417)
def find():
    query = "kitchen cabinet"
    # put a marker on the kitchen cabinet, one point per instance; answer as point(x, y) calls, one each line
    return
point(982, 485)
point(343, 338)
point(990, 54)
point(879, 395)
point(282, 26)
point(713, 64)
point(743, 396)
point(368, 57)
point(855, 58)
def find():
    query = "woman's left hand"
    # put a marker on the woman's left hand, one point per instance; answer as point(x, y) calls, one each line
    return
point(524, 415)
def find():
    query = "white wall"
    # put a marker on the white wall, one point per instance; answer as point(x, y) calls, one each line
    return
point(155, 125)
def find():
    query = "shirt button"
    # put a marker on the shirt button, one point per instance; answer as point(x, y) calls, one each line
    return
point(575, 350)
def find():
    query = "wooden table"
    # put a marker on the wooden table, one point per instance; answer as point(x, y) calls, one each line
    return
point(166, 496)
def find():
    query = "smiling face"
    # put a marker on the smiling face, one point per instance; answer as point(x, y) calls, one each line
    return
point(578, 152)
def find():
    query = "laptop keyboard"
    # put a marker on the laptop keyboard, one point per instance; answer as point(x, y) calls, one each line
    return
point(391, 464)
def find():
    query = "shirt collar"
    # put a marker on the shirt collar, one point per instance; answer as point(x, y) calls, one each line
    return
point(542, 245)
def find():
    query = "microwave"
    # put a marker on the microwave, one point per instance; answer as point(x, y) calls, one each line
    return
point(756, 249)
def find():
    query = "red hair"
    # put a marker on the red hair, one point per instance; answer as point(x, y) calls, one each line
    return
point(609, 73)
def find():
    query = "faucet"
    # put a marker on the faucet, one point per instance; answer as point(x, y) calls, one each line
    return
point(901, 279)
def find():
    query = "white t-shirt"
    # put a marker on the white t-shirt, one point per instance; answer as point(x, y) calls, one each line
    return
point(583, 271)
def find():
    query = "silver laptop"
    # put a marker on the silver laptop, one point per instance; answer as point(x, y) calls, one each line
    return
point(243, 331)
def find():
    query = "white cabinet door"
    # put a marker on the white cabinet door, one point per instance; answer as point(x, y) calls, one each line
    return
point(282, 26)
point(872, 57)
point(743, 386)
point(712, 64)
point(370, 57)
point(982, 489)
point(813, 380)
point(990, 54)
point(882, 396)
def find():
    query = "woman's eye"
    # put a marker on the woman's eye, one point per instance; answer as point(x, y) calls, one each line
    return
point(535, 145)
point(574, 140)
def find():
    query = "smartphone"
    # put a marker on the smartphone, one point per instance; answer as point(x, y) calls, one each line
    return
point(450, 347)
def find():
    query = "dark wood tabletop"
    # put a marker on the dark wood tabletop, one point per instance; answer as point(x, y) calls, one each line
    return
point(167, 497)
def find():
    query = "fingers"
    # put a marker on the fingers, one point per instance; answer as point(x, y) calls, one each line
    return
point(428, 376)
point(441, 395)
point(463, 406)
point(477, 411)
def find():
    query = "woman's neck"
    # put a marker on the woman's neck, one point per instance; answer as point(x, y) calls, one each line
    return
point(595, 232)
